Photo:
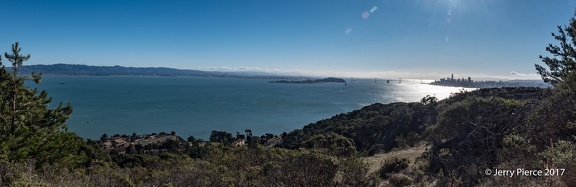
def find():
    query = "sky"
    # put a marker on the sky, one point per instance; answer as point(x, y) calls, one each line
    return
point(427, 39)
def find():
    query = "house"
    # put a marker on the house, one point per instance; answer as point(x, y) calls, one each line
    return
point(107, 145)
point(238, 143)
point(120, 142)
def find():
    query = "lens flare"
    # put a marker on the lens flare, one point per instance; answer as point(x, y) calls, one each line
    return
point(373, 9)
point(365, 15)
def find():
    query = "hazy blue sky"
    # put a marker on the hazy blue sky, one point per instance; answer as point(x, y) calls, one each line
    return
point(384, 38)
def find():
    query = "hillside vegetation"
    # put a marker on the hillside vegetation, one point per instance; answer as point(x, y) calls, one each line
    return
point(460, 141)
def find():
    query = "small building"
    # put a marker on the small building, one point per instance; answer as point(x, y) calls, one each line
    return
point(238, 143)
point(119, 141)
point(107, 145)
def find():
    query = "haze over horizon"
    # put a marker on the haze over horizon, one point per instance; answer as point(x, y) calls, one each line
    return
point(426, 39)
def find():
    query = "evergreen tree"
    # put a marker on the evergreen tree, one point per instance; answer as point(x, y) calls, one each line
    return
point(29, 129)
point(563, 61)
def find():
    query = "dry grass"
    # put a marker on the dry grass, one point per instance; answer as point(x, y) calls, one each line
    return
point(375, 162)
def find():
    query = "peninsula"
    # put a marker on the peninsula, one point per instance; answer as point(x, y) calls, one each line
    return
point(469, 83)
point(308, 81)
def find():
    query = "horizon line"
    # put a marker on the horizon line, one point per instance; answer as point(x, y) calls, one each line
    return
point(387, 75)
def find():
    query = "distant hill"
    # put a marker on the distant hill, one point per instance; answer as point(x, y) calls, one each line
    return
point(76, 69)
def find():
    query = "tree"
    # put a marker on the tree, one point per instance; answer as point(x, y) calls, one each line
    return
point(429, 100)
point(563, 61)
point(221, 136)
point(468, 136)
point(29, 129)
point(191, 139)
point(170, 145)
point(104, 137)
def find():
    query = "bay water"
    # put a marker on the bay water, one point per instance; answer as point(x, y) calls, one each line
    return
point(197, 105)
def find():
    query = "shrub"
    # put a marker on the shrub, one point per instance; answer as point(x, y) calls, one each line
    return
point(400, 180)
point(393, 166)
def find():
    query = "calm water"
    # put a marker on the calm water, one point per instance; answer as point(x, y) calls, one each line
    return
point(197, 105)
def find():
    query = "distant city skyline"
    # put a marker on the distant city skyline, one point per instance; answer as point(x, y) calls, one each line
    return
point(430, 39)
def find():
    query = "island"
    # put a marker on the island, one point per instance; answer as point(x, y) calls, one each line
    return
point(309, 81)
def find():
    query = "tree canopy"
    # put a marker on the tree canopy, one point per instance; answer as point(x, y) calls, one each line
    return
point(563, 61)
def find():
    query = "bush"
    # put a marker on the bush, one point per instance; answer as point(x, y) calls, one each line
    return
point(393, 166)
point(375, 149)
point(354, 172)
point(400, 180)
